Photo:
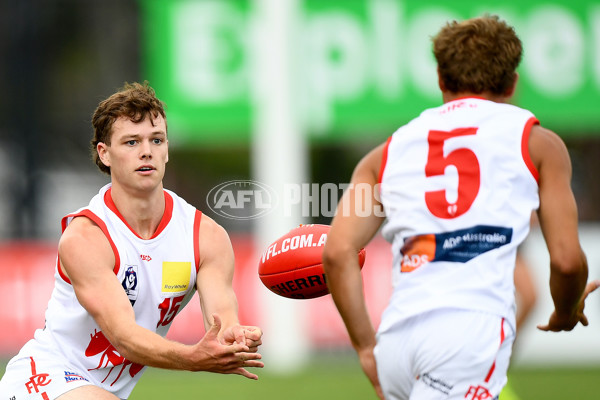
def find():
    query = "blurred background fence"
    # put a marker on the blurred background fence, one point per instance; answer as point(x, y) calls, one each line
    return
point(27, 270)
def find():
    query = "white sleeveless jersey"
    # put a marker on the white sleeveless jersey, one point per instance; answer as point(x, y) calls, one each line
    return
point(458, 188)
point(158, 275)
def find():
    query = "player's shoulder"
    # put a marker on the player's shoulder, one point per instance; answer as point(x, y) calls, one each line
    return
point(211, 232)
point(544, 135)
point(543, 139)
point(83, 233)
point(81, 227)
point(545, 144)
point(84, 240)
point(214, 242)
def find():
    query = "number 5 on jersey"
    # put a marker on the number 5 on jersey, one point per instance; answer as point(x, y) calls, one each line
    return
point(466, 164)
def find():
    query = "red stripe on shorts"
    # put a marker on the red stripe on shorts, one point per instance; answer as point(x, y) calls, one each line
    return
point(34, 373)
point(502, 336)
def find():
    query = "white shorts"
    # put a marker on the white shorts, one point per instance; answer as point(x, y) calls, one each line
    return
point(445, 354)
point(29, 378)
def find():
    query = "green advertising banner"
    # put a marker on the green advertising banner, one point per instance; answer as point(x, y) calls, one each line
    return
point(365, 66)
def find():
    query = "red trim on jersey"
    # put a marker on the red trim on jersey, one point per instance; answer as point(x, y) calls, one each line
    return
point(163, 222)
point(525, 148)
point(166, 216)
point(384, 158)
point(197, 218)
point(89, 214)
point(61, 273)
point(502, 337)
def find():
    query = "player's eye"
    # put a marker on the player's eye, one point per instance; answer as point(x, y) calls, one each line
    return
point(131, 142)
point(157, 140)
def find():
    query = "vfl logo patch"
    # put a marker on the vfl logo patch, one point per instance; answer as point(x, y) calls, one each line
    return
point(130, 283)
point(457, 246)
point(73, 377)
point(176, 276)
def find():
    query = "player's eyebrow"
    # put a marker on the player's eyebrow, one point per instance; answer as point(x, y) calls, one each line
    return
point(158, 133)
point(129, 136)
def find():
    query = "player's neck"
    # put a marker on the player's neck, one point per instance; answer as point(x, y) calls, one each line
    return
point(451, 96)
point(142, 212)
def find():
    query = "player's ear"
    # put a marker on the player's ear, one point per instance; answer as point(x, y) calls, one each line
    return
point(102, 150)
point(511, 90)
point(440, 81)
point(167, 143)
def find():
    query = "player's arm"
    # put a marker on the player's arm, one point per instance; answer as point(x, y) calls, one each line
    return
point(215, 289)
point(351, 231)
point(558, 220)
point(525, 290)
point(87, 259)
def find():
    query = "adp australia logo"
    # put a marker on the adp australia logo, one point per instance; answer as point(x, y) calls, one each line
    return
point(241, 199)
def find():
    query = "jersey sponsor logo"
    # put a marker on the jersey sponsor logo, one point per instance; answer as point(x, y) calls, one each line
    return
point(417, 251)
point(99, 345)
point(145, 257)
point(437, 384)
point(73, 377)
point(176, 276)
point(456, 246)
point(130, 283)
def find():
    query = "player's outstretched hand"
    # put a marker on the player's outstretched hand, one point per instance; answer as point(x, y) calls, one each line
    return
point(557, 324)
point(210, 354)
point(251, 335)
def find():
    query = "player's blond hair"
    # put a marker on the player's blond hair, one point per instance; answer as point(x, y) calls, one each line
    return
point(478, 55)
point(135, 101)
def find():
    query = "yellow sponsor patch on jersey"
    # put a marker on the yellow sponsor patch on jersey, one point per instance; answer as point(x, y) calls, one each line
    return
point(176, 276)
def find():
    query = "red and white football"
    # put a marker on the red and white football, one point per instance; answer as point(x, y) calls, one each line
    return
point(292, 265)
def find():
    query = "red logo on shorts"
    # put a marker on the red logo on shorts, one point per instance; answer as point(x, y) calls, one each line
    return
point(478, 393)
point(37, 380)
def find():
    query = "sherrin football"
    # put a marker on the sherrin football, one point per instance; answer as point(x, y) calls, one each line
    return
point(292, 265)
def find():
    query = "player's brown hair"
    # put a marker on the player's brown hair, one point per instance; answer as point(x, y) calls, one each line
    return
point(135, 101)
point(478, 55)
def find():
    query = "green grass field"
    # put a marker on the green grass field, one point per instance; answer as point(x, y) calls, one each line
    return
point(340, 377)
